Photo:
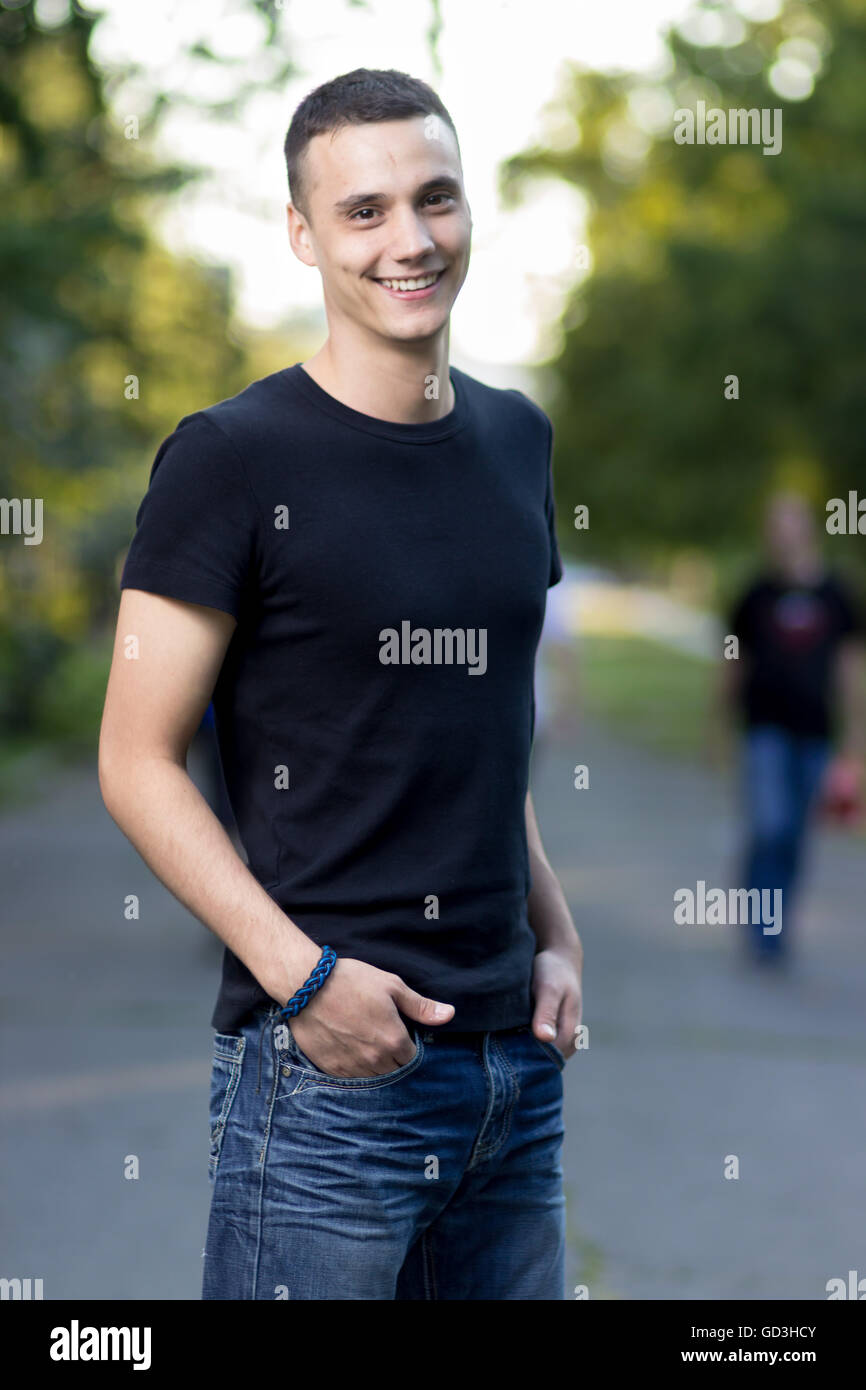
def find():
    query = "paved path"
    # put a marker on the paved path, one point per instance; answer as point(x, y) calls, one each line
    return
point(694, 1057)
point(691, 1059)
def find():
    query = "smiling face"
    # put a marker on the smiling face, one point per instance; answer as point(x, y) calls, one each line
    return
point(389, 226)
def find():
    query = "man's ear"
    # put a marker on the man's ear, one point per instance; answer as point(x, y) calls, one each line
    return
point(299, 235)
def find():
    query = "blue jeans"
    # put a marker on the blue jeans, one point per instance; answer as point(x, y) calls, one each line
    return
point(439, 1180)
point(782, 776)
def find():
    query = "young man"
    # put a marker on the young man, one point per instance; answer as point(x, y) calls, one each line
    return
point(797, 688)
point(352, 555)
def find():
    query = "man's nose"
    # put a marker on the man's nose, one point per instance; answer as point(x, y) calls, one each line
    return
point(411, 238)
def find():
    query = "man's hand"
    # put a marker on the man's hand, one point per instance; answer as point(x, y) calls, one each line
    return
point(352, 1027)
point(556, 988)
point(840, 797)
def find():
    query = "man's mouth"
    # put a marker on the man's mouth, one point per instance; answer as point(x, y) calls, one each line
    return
point(412, 286)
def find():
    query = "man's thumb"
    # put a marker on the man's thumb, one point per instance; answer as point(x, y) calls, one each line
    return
point(544, 1022)
point(423, 1010)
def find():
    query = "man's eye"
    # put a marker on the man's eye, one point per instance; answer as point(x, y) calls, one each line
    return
point(360, 214)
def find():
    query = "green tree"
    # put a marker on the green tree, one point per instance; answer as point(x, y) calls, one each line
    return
point(106, 337)
point(710, 261)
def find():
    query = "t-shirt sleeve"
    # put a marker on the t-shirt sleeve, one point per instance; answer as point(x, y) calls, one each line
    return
point(197, 525)
point(550, 515)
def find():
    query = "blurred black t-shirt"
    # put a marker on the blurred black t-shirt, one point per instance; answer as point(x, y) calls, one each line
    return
point(789, 636)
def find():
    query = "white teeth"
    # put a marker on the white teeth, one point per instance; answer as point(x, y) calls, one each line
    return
point(419, 284)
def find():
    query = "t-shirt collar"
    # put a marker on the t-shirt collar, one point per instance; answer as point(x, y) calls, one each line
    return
point(427, 433)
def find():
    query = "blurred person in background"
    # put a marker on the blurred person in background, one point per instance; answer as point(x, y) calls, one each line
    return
point(796, 692)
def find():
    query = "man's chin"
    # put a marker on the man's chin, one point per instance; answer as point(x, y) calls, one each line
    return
point(402, 329)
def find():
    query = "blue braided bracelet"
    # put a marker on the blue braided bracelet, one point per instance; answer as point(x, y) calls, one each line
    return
point(302, 996)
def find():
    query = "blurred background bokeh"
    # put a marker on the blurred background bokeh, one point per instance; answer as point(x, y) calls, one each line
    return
point(621, 279)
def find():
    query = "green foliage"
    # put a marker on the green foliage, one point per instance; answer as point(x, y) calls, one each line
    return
point(28, 653)
point(710, 261)
point(106, 341)
point(69, 701)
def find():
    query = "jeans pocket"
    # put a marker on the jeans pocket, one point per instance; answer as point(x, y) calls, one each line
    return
point(288, 1049)
point(228, 1056)
point(549, 1049)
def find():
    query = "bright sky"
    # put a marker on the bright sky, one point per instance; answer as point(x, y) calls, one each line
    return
point(500, 64)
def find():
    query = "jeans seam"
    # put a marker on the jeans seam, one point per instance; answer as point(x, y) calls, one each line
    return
point(492, 1148)
point(515, 1095)
point(263, 1155)
point(217, 1134)
point(550, 1050)
point(428, 1267)
point(480, 1151)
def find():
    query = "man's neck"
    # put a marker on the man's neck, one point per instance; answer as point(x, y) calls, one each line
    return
point(405, 383)
point(801, 569)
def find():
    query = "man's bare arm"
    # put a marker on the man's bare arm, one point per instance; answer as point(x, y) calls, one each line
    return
point(549, 914)
point(167, 656)
point(558, 967)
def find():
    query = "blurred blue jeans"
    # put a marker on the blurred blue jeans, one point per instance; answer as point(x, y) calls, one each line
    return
point(782, 776)
point(439, 1180)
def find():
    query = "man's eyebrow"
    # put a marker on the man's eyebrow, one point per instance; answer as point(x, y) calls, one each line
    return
point(446, 183)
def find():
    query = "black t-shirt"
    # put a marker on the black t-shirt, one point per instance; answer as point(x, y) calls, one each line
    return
point(790, 634)
point(374, 710)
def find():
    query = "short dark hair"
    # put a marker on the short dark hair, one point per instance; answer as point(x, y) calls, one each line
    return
point(355, 98)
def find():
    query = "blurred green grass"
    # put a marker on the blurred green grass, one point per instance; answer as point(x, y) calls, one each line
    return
point(651, 694)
